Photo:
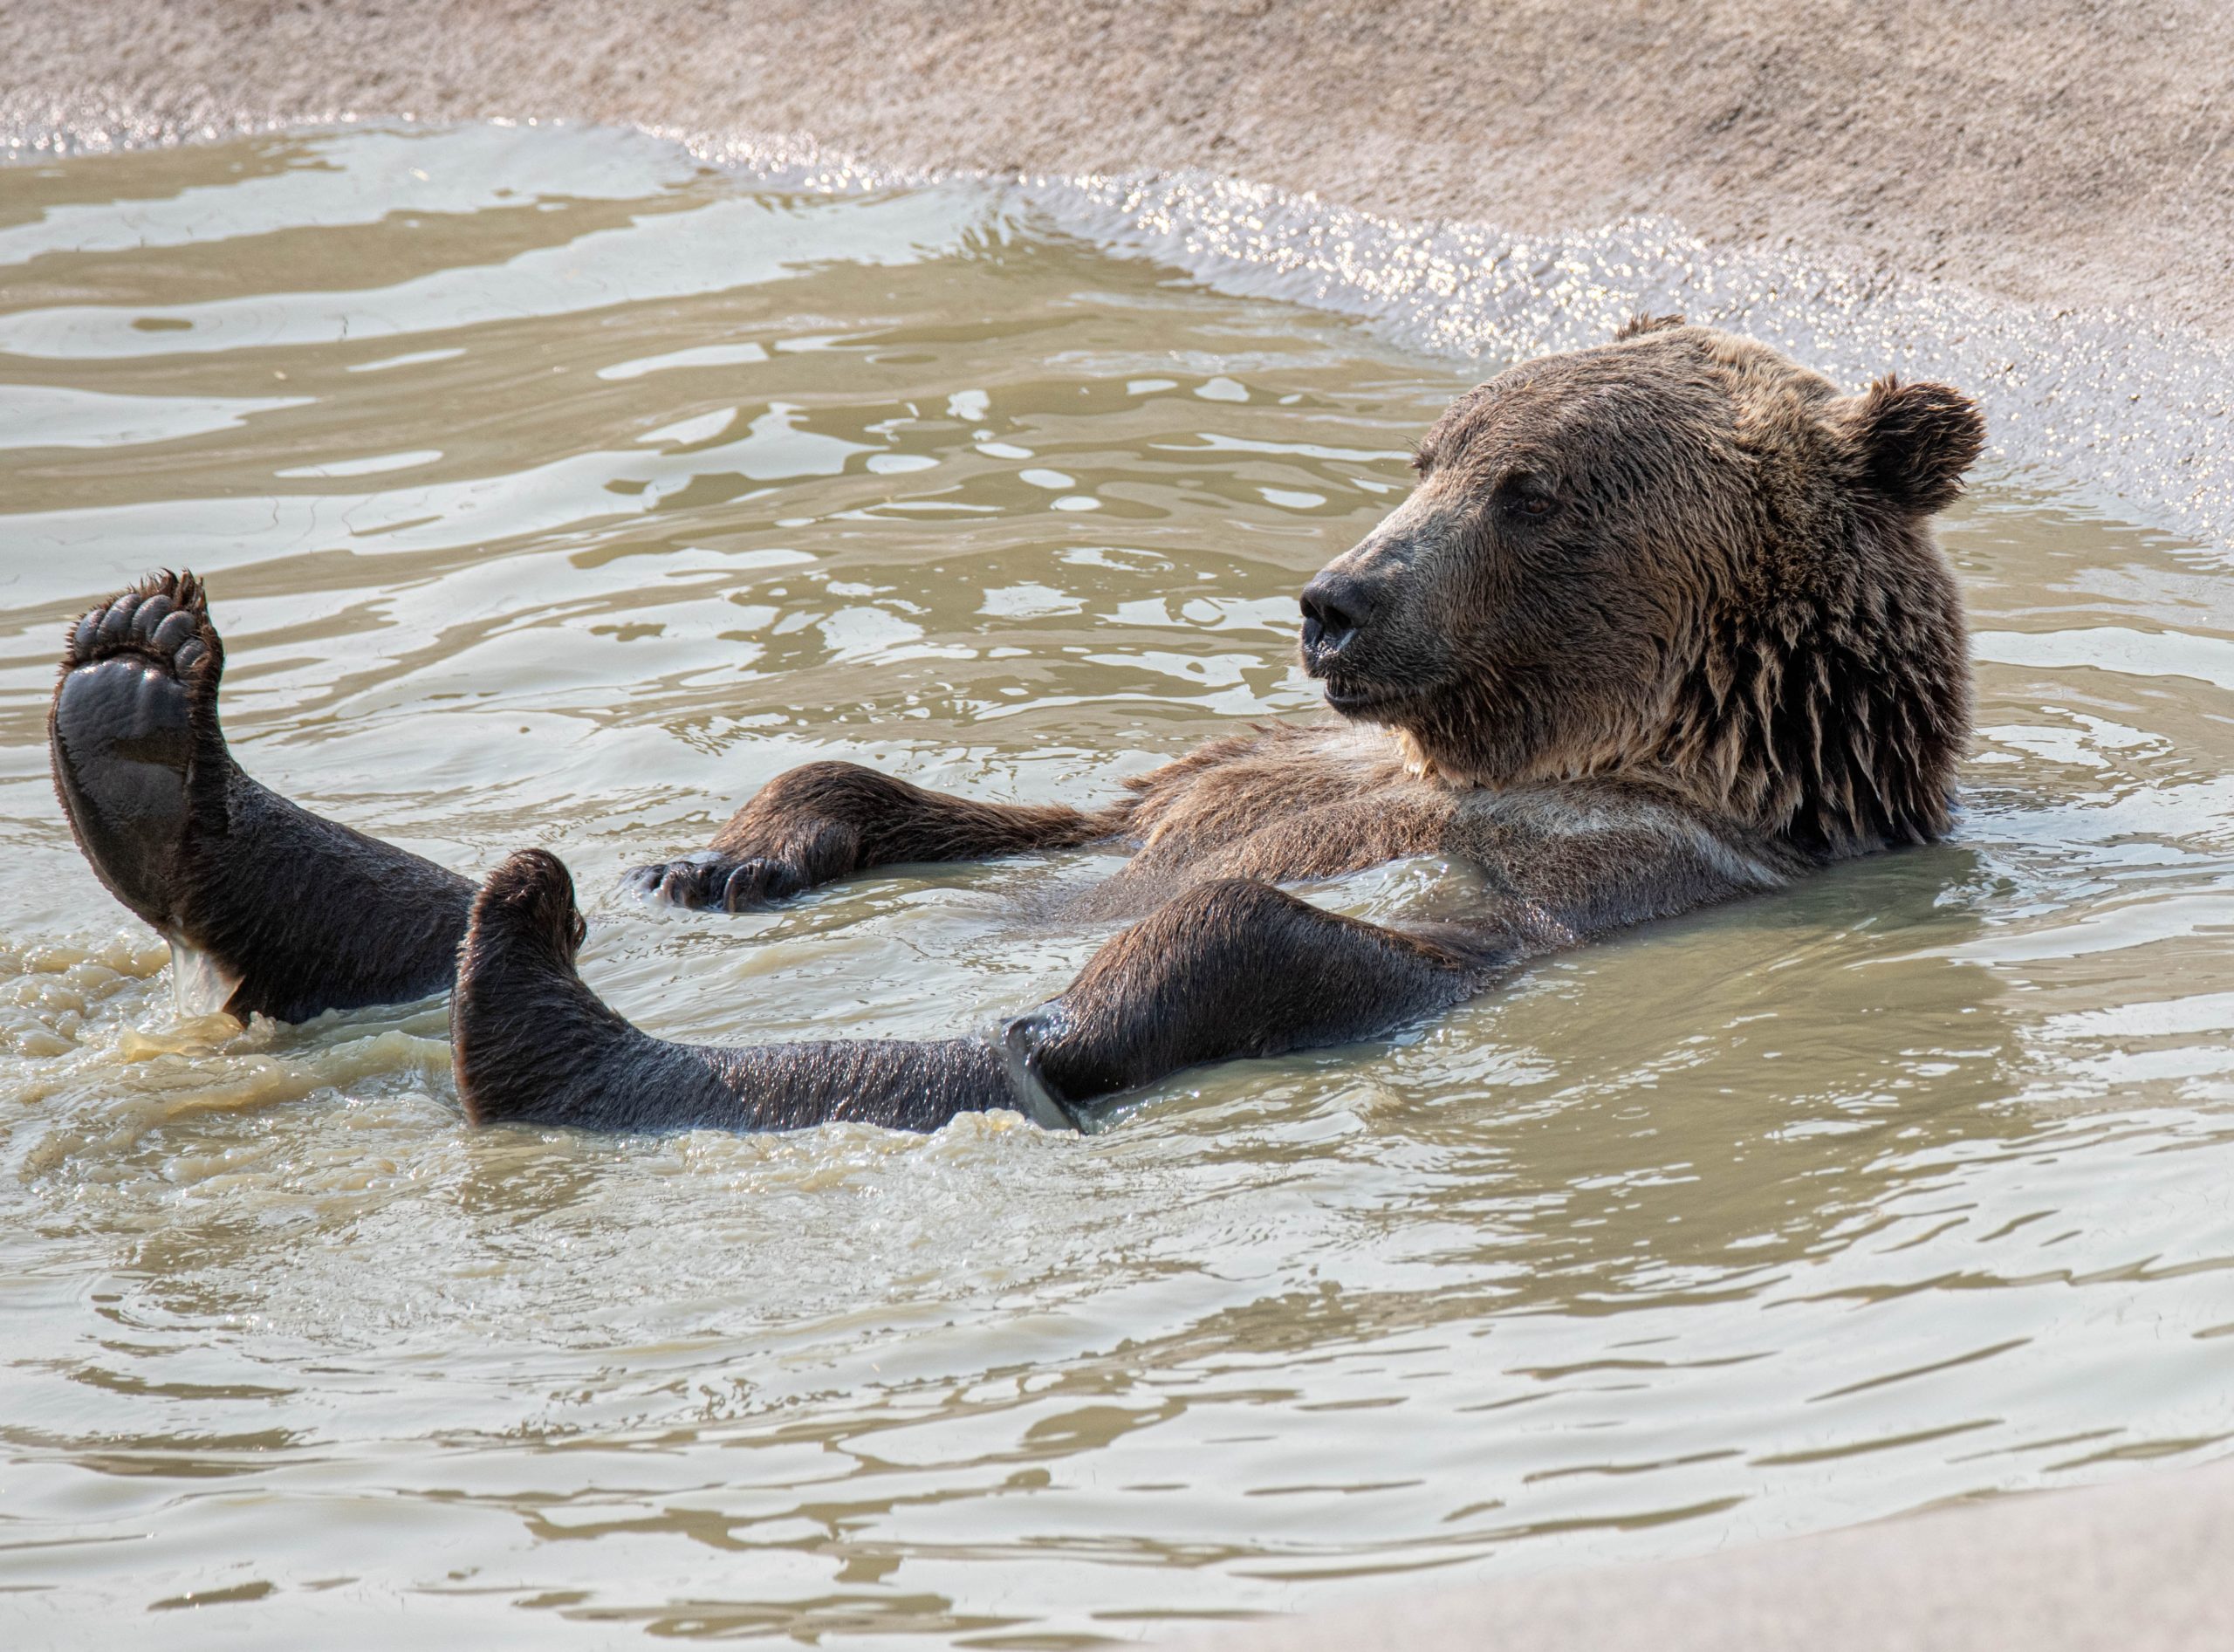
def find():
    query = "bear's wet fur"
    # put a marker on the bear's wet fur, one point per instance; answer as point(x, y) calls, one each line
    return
point(1662, 623)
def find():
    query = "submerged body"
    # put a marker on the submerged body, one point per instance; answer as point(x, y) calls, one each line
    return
point(1660, 626)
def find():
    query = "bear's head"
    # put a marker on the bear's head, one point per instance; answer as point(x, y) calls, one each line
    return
point(1681, 558)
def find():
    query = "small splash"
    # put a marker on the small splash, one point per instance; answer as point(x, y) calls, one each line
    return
point(199, 985)
point(48, 990)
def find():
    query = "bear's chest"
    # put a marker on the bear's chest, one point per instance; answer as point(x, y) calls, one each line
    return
point(1295, 811)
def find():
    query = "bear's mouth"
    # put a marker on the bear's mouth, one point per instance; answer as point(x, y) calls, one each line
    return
point(1355, 699)
point(1358, 687)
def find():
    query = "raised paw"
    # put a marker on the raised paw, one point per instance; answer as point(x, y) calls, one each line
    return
point(163, 620)
point(133, 734)
point(711, 881)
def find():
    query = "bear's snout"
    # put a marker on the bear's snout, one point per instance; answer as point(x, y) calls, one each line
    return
point(1336, 607)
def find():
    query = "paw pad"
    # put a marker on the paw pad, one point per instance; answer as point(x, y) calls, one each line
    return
point(163, 620)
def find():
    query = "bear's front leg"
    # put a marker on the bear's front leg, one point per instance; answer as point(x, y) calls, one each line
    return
point(827, 820)
point(1239, 968)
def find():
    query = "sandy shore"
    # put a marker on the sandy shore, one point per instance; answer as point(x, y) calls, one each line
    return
point(2061, 152)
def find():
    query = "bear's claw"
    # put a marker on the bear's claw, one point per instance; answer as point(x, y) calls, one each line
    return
point(710, 881)
point(164, 621)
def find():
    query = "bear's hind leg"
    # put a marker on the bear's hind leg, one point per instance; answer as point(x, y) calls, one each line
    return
point(268, 908)
point(122, 733)
point(533, 1044)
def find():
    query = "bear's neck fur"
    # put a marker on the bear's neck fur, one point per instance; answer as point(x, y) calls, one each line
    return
point(1828, 717)
point(1833, 723)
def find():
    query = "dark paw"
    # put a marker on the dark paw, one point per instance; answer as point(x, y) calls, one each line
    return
point(134, 714)
point(163, 621)
point(710, 881)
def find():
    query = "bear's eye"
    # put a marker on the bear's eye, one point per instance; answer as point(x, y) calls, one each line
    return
point(1422, 460)
point(1527, 500)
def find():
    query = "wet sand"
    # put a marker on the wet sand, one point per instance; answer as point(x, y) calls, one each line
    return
point(2070, 153)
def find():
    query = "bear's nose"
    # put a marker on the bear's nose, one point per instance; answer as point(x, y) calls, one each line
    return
point(1335, 607)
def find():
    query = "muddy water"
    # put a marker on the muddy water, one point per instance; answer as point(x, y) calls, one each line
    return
point(554, 489)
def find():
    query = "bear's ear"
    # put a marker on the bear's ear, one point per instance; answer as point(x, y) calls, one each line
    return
point(1915, 440)
point(1638, 325)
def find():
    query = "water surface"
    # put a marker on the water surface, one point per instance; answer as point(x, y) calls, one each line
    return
point(555, 488)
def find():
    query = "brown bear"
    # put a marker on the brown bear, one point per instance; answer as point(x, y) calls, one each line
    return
point(1662, 623)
